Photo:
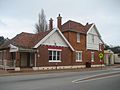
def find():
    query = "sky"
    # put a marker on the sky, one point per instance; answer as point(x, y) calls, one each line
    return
point(18, 16)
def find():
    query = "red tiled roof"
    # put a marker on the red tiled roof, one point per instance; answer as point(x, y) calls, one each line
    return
point(75, 27)
point(25, 40)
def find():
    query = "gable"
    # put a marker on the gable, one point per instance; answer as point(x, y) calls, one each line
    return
point(93, 30)
point(13, 48)
point(93, 38)
point(55, 39)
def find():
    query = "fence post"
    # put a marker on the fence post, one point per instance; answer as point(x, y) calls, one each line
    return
point(14, 63)
point(5, 63)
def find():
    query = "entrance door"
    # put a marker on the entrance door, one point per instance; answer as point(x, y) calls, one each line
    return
point(27, 59)
point(23, 57)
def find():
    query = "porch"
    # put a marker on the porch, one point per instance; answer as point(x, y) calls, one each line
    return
point(24, 58)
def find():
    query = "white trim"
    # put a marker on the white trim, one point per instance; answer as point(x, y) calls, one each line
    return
point(61, 67)
point(13, 48)
point(47, 36)
point(97, 32)
point(41, 41)
point(65, 40)
point(55, 49)
point(92, 60)
point(78, 56)
point(54, 60)
point(79, 51)
point(95, 29)
point(17, 68)
point(35, 59)
point(78, 60)
point(78, 37)
point(90, 28)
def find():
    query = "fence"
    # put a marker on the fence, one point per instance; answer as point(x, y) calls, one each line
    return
point(7, 64)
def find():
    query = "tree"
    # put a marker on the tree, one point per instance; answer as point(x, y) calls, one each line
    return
point(116, 49)
point(106, 47)
point(41, 26)
point(1, 40)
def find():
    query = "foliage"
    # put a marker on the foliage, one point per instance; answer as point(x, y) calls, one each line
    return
point(2, 40)
point(41, 26)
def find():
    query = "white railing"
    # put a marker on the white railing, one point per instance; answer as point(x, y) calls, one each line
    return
point(1, 63)
point(7, 64)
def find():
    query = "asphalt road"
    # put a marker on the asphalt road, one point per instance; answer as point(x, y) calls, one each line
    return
point(63, 81)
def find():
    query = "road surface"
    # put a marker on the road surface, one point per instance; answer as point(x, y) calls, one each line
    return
point(106, 80)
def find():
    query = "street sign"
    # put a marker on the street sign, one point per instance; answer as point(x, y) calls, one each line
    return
point(101, 55)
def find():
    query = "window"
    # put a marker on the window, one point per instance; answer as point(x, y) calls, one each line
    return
point(54, 55)
point(92, 36)
point(92, 56)
point(13, 55)
point(78, 37)
point(79, 56)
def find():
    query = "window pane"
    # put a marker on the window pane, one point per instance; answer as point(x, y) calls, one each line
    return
point(80, 56)
point(58, 53)
point(54, 55)
point(50, 55)
point(78, 37)
point(92, 56)
point(76, 55)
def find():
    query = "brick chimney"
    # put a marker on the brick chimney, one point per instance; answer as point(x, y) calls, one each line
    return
point(59, 22)
point(51, 24)
point(87, 23)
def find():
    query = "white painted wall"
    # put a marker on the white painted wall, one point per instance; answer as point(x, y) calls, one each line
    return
point(117, 58)
point(90, 44)
point(13, 48)
point(55, 38)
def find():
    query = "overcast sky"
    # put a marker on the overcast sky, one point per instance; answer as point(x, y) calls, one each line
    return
point(18, 16)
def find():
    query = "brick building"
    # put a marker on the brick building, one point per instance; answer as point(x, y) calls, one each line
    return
point(69, 46)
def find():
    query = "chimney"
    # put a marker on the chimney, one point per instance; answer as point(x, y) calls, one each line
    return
point(51, 24)
point(59, 22)
point(87, 23)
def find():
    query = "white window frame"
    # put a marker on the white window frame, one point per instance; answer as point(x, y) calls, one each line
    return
point(78, 59)
point(92, 57)
point(56, 50)
point(78, 37)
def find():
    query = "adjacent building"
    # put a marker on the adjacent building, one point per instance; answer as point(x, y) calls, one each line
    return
point(109, 57)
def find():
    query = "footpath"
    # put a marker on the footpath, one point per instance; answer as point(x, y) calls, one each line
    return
point(30, 72)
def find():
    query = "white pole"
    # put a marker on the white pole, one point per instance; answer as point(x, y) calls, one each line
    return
point(35, 59)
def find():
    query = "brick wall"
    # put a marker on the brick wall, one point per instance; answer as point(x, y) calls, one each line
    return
point(43, 60)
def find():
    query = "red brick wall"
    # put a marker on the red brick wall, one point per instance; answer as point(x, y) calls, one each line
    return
point(43, 60)
point(96, 56)
point(72, 38)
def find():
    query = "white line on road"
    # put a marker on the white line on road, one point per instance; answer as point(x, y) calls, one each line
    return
point(92, 77)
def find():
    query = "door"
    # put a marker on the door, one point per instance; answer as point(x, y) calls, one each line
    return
point(24, 59)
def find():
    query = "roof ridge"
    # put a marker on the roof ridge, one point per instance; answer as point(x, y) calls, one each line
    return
point(74, 22)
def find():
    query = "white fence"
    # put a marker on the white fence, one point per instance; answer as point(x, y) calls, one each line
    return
point(7, 64)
